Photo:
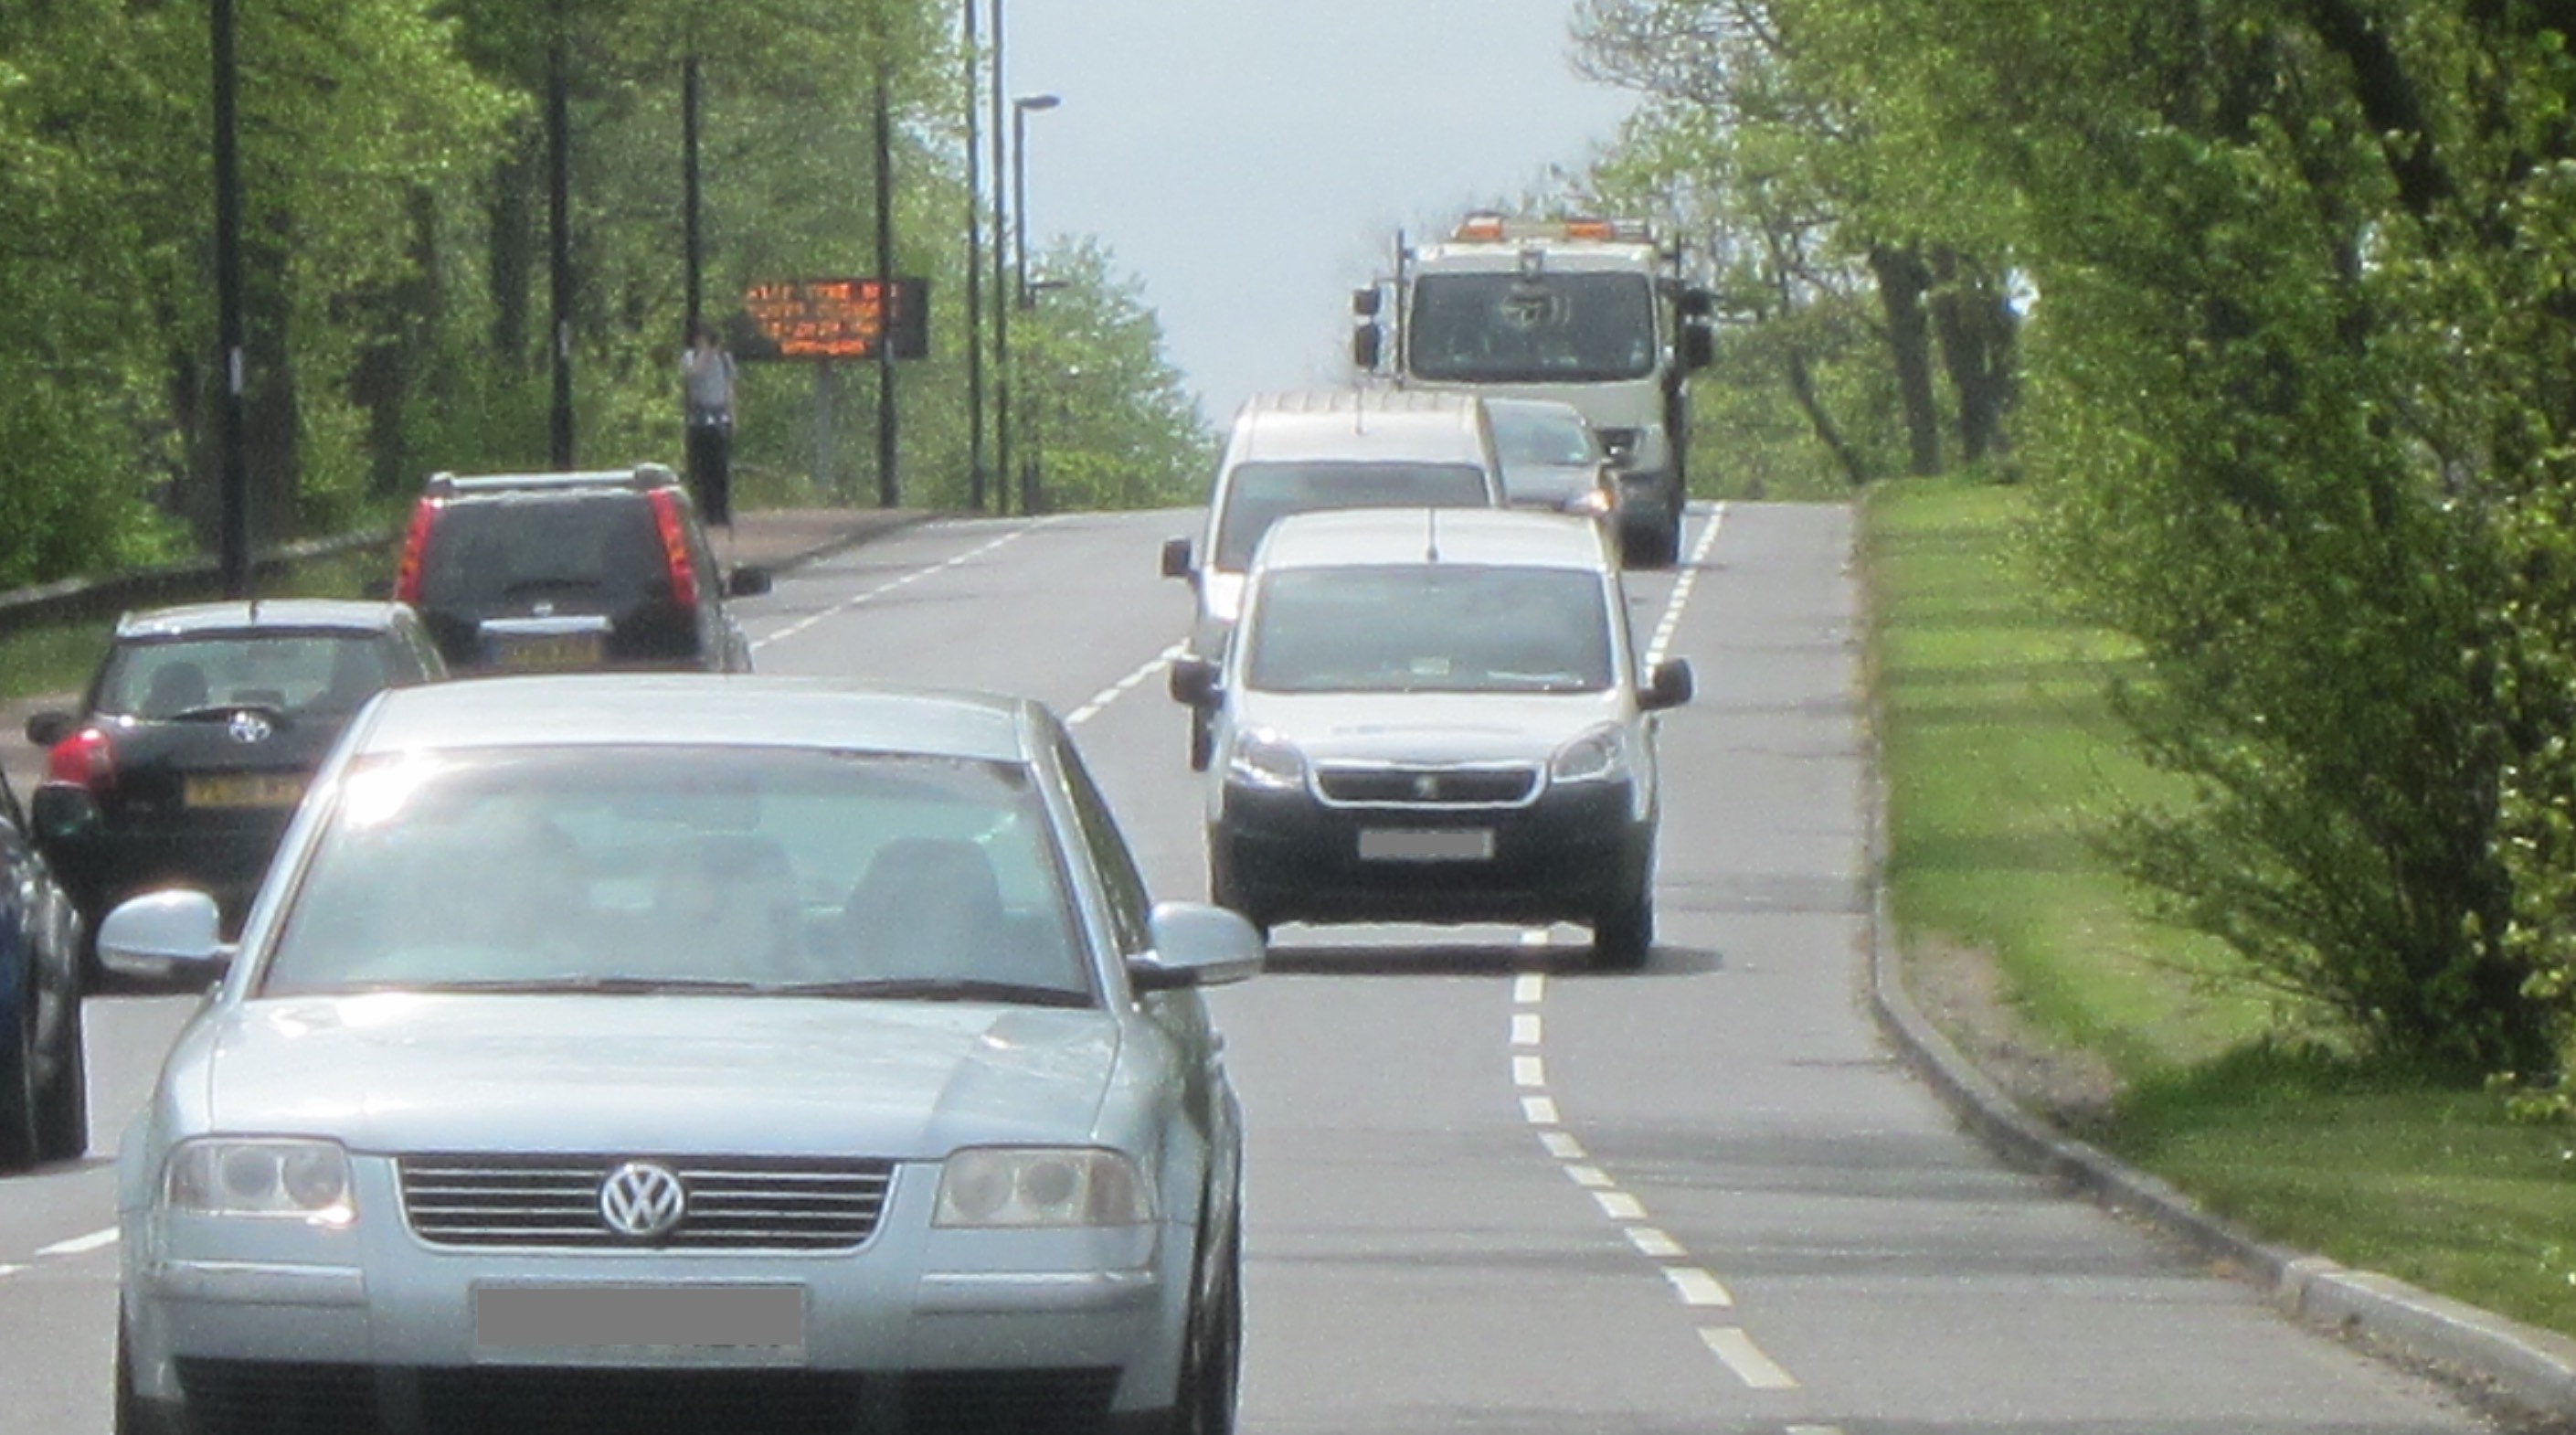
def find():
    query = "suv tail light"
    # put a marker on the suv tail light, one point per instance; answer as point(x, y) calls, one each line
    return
point(675, 546)
point(85, 760)
point(415, 544)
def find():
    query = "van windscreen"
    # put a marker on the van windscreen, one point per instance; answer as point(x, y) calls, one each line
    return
point(1260, 494)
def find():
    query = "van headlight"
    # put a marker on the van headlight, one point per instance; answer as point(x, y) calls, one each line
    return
point(1035, 1186)
point(1263, 759)
point(1600, 755)
point(261, 1176)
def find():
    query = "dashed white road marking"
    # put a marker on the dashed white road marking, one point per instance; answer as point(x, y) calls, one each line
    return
point(959, 560)
point(77, 1244)
point(1590, 1178)
point(1561, 1145)
point(1529, 1071)
point(1527, 1030)
point(1619, 1205)
point(1529, 988)
point(1111, 693)
point(1681, 595)
point(6, 1271)
point(1737, 1352)
point(1815, 1430)
point(1538, 1111)
point(1697, 1287)
point(1652, 1243)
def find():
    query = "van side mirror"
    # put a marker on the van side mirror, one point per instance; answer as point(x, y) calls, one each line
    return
point(1193, 682)
point(1669, 685)
point(1178, 562)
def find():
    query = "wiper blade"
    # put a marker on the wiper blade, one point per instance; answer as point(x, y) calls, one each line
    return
point(954, 989)
point(580, 986)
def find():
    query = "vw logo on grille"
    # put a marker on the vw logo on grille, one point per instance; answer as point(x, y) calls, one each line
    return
point(642, 1200)
point(248, 727)
point(1426, 787)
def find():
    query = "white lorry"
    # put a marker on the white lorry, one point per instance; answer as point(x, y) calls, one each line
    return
point(1592, 312)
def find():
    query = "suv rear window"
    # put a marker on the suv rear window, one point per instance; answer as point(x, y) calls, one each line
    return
point(1260, 494)
point(488, 551)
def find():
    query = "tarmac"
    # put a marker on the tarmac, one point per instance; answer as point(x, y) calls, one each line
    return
point(2520, 1370)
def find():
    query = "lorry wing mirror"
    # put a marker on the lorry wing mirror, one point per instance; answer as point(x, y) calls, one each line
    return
point(1364, 348)
point(1176, 558)
point(1364, 301)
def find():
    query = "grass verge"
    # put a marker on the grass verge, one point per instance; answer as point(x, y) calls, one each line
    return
point(2001, 761)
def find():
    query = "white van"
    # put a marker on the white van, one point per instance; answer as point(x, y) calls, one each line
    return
point(1335, 448)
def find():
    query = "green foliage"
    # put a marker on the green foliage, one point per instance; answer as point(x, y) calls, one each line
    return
point(1108, 417)
point(398, 315)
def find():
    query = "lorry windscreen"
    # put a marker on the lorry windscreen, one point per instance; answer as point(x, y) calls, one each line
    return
point(1562, 327)
point(1260, 494)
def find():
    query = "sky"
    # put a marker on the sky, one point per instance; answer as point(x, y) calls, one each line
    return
point(1251, 160)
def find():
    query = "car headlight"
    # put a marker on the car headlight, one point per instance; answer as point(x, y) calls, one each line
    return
point(1265, 759)
point(261, 1176)
point(1600, 755)
point(1033, 1186)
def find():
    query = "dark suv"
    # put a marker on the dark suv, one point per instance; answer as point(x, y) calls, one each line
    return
point(531, 572)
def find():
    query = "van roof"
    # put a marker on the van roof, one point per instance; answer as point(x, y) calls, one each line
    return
point(1360, 423)
point(1360, 537)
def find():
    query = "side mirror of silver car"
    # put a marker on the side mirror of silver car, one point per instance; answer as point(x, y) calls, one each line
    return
point(1195, 945)
point(160, 935)
point(1669, 686)
point(1193, 682)
point(1177, 560)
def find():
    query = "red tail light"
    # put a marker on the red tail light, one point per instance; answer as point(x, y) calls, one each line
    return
point(675, 547)
point(415, 544)
point(84, 759)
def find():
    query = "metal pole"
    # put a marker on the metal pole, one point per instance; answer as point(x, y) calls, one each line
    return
point(1022, 298)
point(559, 219)
point(889, 491)
point(1001, 305)
point(233, 523)
point(974, 280)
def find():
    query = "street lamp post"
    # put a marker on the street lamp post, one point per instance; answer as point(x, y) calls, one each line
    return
point(974, 278)
point(1022, 299)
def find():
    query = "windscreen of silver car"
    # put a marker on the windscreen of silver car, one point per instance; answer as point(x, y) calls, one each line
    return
point(1432, 628)
point(1499, 327)
point(1260, 494)
point(617, 870)
point(282, 672)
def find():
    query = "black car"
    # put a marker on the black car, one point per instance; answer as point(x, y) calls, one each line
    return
point(198, 733)
point(538, 572)
point(44, 1082)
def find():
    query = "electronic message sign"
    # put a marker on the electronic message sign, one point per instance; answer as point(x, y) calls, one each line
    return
point(820, 320)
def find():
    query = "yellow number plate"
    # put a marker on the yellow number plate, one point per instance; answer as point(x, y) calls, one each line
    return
point(560, 650)
point(244, 789)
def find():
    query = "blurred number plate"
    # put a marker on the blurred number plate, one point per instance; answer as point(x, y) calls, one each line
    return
point(770, 1318)
point(557, 650)
point(243, 789)
point(1421, 844)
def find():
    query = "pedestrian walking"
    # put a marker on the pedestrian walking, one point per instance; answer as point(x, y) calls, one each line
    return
point(707, 390)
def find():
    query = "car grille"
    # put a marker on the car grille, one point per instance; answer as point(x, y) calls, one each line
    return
point(1427, 786)
point(740, 1203)
point(288, 1398)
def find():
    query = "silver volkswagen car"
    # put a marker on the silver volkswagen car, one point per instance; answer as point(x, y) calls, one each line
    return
point(688, 1052)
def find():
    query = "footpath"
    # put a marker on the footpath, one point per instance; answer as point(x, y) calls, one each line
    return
point(778, 539)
